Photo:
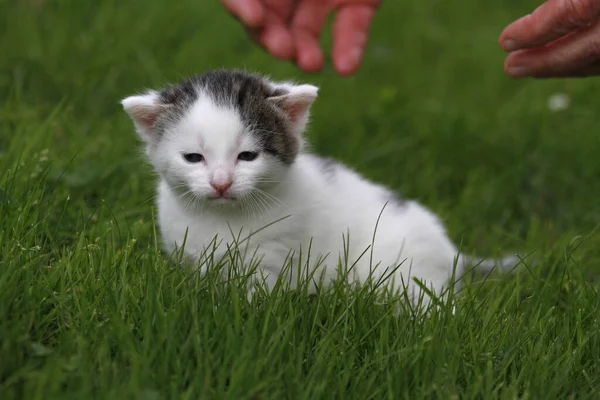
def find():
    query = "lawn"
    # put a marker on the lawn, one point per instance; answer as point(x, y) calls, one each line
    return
point(91, 308)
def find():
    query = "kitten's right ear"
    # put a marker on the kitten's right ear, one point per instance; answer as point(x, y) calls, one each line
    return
point(144, 109)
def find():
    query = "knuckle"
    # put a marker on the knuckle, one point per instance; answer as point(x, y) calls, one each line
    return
point(581, 12)
point(566, 61)
point(553, 63)
point(551, 66)
point(593, 50)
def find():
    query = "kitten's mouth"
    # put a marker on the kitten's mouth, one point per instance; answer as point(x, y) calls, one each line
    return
point(222, 199)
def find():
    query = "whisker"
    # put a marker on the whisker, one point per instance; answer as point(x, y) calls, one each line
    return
point(252, 206)
point(271, 196)
point(189, 201)
point(265, 181)
point(265, 200)
point(263, 204)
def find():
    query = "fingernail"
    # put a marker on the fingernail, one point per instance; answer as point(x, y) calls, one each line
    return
point(354, 55)
point(518, 71)
point(510, 45)
point(347, 65)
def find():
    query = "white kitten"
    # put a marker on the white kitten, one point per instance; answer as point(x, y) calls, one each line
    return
point(228, 148)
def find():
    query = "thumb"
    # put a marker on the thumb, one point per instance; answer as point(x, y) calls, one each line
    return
point(550, 21)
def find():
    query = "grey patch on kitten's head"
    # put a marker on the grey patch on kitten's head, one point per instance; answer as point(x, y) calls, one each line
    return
point(252, 96)
point(275, 114)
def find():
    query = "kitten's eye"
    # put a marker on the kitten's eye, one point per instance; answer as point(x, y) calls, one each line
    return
point(247, 156)
point(193, 157)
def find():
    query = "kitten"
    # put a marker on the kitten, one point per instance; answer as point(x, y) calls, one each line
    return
point(228, 147)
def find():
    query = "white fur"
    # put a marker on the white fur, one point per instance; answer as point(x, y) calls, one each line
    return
point(314, 212)
point(324, 213)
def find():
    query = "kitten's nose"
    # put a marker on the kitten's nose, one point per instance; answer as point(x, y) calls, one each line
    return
point(221, 187)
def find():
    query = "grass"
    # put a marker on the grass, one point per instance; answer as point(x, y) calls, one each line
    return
point(90, 307)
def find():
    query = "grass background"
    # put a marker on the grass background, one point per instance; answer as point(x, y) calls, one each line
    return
point(89, 307)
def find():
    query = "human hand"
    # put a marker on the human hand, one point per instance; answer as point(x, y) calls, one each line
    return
point(561, 38)
point(290, 30)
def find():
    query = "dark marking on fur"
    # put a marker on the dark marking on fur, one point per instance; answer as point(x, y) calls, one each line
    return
point(242, 94)
point(395, 199)
point(245, 92)
point(328, 166)
point(180, 98)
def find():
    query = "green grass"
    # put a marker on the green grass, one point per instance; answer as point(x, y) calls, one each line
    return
point(90, 307)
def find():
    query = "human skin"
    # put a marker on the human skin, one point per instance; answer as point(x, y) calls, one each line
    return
point(290, 30)
point(561, 38)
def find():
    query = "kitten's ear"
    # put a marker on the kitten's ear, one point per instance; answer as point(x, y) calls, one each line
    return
point(296, 104)
point(144, 109)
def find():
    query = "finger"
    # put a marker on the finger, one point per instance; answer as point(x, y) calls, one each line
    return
point(548, 22)
point(577, 54)
point(307, 24)
point(282, 8)
point(275, 37)
point(344, 3)
point(250, 12)
point(350, 30)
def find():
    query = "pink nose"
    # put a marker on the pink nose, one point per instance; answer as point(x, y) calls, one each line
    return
point(221, 187)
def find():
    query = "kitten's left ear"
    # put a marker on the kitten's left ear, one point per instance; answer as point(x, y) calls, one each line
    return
point(144, 110)
point(296, 104)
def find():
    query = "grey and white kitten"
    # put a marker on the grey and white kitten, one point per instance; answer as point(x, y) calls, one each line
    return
point(228, 148)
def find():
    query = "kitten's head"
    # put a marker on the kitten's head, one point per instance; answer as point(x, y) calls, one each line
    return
point(221, 135)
